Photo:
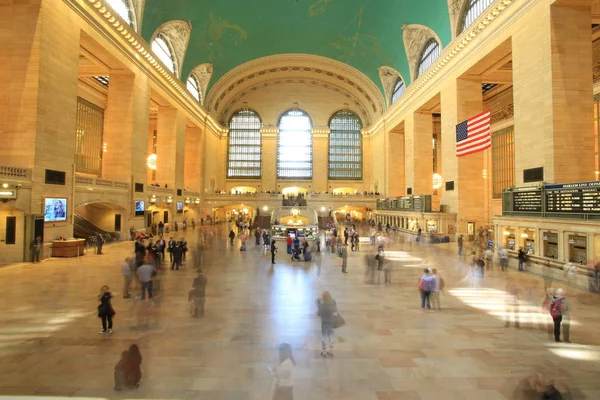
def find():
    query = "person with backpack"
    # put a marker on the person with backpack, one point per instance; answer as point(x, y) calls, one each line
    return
point(426, 285)
point(231, 237)
point(559, 311)
point(437, 288)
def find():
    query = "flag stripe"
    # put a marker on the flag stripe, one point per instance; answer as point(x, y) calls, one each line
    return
point(473, 135)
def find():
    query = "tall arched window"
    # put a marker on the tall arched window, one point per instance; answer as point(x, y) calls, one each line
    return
point(294, 146)
point(430, 53)
point(193, 87)
point(399, 90)
point(122, 8)
point(244, 155)
point(162, 50)
point(473, 10)
point(345, 146)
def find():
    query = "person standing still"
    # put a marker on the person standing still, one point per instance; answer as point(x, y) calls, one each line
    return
point(327, 311)
point(177, 257)
point(503, 259)
point(199, 286)
point(105, 310)
point(435, 293)
point(144, 273)
point(521, 257)
point(273, 251)
point(344, 258)
point(37, 249)
point(460, 245)
point(99, 243)
point(126, 272)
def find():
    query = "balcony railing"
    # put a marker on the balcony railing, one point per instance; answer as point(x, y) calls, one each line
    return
point(83, 180)
point(16, 173)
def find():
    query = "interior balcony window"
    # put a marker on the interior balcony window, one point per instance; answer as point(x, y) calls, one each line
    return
point(431, 53)
point(121, 7)
point(473, 10)
point(193, 87)
point(399, 90)
point(162, 50)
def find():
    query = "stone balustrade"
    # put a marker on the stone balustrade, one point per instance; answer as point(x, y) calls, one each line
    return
point(16, 173)
point(83, 180)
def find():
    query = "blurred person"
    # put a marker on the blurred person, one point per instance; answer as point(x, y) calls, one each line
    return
point(133, 371)
point(387, 271)
point(172, 244)
point(460, 243)
point(184, 248)
point(257, 236)
point(503, 255)
point(288, 242)
point(327, 310)
point(161, 244)
point(521, 257)
point(273, 251)
point(570, 273)
point(356, 241)
point(105, 309)
point(126, 272)
point(545, 307)
point(489, 258)
point(231, 237)
point(199, 291)
point(559, 310)
point(243, 239)
point(36, 247)
point(283, 375)
point(425, 285)
point(437, 288)
point(177, 256)
point(145, 272)
point(370, 268)
point(541, 386)
point(372, 233)
point(511, 302)
point(346, 236)
point(99, 243)
point(379, 259)
point(594, 279)
point(344, 256)
point(547, 275)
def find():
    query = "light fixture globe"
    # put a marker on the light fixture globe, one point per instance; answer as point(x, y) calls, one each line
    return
point(437, 181)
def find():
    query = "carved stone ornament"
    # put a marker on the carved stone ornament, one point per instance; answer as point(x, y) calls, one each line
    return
point(415, 38)
point(203, 73)
point(389, 76)
point(137, 9)
point(455, 10)
point(177, 33)
point(596, 72)
point(506, 112)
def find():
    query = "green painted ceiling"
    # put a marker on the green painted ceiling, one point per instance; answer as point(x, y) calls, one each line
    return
point(365, 34)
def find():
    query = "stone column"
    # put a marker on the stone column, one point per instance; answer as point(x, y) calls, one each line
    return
point(395, 155)
point(418, 152)
point(194, 160)
point(269, 160)
point(126, 124)
point(170, 147)
point(320, 180)
point(552, 82)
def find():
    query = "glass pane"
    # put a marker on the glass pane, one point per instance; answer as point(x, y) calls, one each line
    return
point(192, 87)
point(431, 53)
point(161, 49)
point(89, 138)
point(345, 146)
point(244, 158)
point(399, 90)
point(473, 11)
point(121, 7)
point(294, 148)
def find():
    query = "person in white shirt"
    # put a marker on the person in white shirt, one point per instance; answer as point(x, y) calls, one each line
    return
point(435, 294)
point(144, 273)
point(489, 258)
point(283, 375)
point(126, 272)
point(503, 253)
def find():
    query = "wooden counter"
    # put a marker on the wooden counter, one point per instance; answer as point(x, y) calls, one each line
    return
point(67, 248)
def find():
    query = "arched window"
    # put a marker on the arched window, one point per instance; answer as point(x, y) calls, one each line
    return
point(399, 90)
point(430, 53)
point(193, 88)
point(162, 50)
point(294, 146)
point(345, 146)
point(473, 10)
point(244, 155)
point(121, 7)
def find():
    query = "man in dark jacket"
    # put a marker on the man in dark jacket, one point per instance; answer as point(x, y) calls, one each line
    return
point(172, 244)
point(199, 286)
point(273, 251)
point(177, 256)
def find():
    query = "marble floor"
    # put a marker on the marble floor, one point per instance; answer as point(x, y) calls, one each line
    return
point(389, 349)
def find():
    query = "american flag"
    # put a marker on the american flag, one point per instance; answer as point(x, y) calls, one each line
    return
point(473, 135)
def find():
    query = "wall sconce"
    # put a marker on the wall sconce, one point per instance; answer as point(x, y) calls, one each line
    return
point(105, 147)
point(153, 199)
point(485, 174)
point(169, 200)
point(187, 201)
point(506, 233)
point(524, 235)
point(151, 161)
point(437, 181)
point(197, 201)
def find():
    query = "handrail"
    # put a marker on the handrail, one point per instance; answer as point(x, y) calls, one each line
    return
point(93, 181)
point(8, 171)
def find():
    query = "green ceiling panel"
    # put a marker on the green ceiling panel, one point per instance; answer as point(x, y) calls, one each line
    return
point(365, 34)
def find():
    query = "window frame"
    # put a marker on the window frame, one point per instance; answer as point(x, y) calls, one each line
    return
point(171, 52)
point(311, 152)
point(471, 12)
point(428, 51)
point(503, 160)
point(193, 78)
point(260, 147)
point(130, 12)
point(348, 133)
point(398, 88)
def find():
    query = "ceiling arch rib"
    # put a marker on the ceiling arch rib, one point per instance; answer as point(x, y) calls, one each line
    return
point(342, 77)
point(137, 8)
point(415, 38)
point(455, 11)
point(178, 34)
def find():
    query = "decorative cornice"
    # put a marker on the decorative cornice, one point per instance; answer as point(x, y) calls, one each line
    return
point(596, 71)
point(505, 112)
point(449, 53)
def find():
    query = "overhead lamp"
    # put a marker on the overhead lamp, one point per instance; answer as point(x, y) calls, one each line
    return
point(151, 161)
point(437, 181)
point(265, 208)
point(506, 233)
point(5, 185)
point(524, 235)
point(169, 200)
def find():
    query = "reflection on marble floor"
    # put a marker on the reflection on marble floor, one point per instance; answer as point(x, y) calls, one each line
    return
point(389, 349)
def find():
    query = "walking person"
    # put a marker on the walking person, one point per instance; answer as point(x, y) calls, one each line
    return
point(344, 255)
point(327, 310)
point(559, 311)
point(489, 258)
point(521, 257)
point(425, 286)
point(379, 259)
point(231, 237)
point(120, 371)
point(36, 247)
point(273, 251)
point(283, 375)
point(126, 272)
point(172, 244)
point(99, 243)
point(105, 310)
point(199, 286)
point(503, 254)
point(144, 274)
point(160, 247)
point(460, 245)
point(437, 288)
point(257, 236)
point(177, 257)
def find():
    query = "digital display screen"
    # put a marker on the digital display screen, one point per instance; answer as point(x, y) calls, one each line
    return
point(179, 206)
point(140, 207)
point(55, 209)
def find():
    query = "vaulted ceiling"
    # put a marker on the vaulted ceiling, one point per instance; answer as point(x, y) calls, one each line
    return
point(365, 34)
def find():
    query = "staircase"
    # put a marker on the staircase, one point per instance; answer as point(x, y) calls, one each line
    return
point(324, 221)
point(84, 229)
point(262, 222)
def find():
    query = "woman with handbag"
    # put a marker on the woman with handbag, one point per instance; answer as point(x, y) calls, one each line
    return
point(330, 320)
point(105, 310)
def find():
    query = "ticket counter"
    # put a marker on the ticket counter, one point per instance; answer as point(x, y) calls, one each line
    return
point(68, 248)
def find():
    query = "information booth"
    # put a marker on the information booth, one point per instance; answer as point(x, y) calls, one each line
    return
point(300, 222)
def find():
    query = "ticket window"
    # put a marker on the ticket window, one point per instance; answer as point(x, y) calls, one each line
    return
point(550, 247)
point(528, 237)
point(412, 224)
point(432, 226)
point(578, 249)
point(509, 238)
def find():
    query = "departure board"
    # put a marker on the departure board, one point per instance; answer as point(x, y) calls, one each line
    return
point(581, 198)
point(527, 200)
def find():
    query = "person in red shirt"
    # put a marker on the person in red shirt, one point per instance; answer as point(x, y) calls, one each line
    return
point(288, 241)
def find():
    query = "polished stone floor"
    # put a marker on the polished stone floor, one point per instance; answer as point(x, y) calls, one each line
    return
point(389, 349)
